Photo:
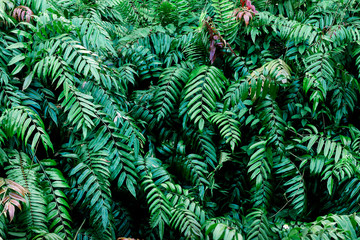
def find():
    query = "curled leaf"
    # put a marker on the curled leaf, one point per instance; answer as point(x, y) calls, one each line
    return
point(11, 194)
point(22, 14)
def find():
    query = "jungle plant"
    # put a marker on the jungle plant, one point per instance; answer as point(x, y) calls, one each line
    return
point(179, 119)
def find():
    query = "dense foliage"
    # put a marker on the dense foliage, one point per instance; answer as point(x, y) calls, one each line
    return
point(179, 119)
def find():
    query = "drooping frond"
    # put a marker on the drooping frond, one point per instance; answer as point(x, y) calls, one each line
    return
point(204, 86)
point(91, 173)
point(171, 83)
point(58, 206)
point(27, 125)
point(259, 226)
point(294, 186)
point(23, 171)
point(229, 128)
point(225, 20)
point(159, 206)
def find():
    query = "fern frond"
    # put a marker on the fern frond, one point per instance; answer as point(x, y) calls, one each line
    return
point(23, 171)
point(83, 60)
point(261, 196)
point(94, 35)
point(342, 170)
point(259, 225)
point(295, 186)
point(27, 123)
point(10, 96)
point(107, 103)
point(204, 87)
point(192, 166)
point(320, 68)
point(228, 126)
point(3, 225)
point(48, 236)
point(331, 226)
point(12, 194)
point(147, 63)
point(58, 206)
point(154, 167)
point(326, 146)
point(127, 11)
point(273, 123)
point(120, 156)
point(204, 145)
point(161, 44)
point(259, 165)
point(224, 19)
point(123, 221)
point(179, 196)
point(344, 96)
point(141, 109)
point(265, 79)
point(170, 83)
point(128, 75)
point(129, 129)
point(159, 206)
point(185, 221)
point(290, 29)
point(4, 76)
point(4, 17)
point(81, 110)
point(237, 91)
point(91, 172)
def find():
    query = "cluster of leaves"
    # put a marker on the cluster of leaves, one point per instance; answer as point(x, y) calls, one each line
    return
point(179, 119)
point(246, 11)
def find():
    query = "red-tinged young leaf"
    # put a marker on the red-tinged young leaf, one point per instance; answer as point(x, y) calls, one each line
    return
point(2, 182)
point(16, 203)
point(11, 210)
point(247, 18)
point(5, 199)
point(250, 6)
point(22, 13)
point(212, 51)
point(17, 197)
point(16, 187)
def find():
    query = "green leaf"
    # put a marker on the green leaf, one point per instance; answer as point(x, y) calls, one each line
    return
point(28, 80)
point(16, 59)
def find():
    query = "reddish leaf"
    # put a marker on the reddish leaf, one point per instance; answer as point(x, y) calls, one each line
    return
point(2, 191)
point(5, 199)
point(2, 182)
point(212, 51)
point(247, 17)
point(239, 16)
point(17, 197)
point(16, 203)
point(11, 195)
point(22, 13)
point(16, 187)
point(252, 7)
point(9, 208)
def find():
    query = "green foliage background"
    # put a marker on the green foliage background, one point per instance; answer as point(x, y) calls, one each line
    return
point(179, 120)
